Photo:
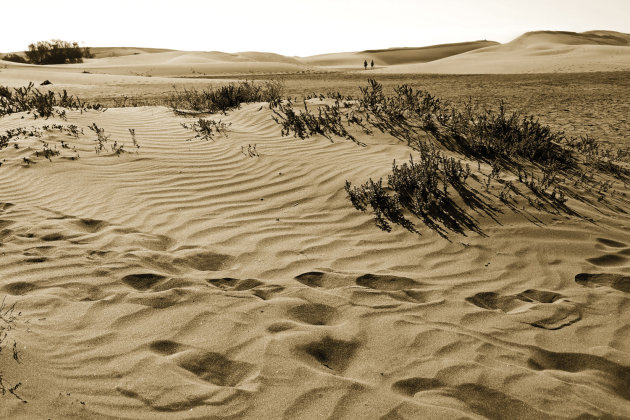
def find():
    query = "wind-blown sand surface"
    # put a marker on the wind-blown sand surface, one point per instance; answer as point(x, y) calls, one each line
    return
point(193, 279)
point(190, 280)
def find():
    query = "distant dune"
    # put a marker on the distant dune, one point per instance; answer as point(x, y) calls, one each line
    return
point(101, 52)
point(533, 52)
point(393, 56)
point(192, 63)
point(537, 52)
point(170, 63)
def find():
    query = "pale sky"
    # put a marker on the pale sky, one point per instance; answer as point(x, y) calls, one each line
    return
point(296, 27)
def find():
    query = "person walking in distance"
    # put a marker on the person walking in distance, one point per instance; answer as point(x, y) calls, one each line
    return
point(365, 64)
point(372, 64)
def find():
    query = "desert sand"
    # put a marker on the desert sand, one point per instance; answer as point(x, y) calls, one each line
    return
point(191, 278)
point(393, 56)
point(536, 52)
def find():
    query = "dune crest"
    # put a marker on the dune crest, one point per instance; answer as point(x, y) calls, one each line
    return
point(537, 52)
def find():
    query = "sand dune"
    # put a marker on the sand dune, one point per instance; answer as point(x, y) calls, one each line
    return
point(165, 63)
point(537, 52)
point(185, 63)
point(533, 52)
point(393, 56)
point(192, 280)
point(102, 52)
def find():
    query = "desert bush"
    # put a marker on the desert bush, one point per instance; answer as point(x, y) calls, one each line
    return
point(327, 122)
point(499, 134)
point(56, 51)
point(28, 98)
point(385, 208)
point(15, 58)
point(134, 141)
point(206, 129)
point(101, 137)
point(596, 156)
point(8, 320)
point(225, 98)
point(406, 105)
point(420, 187)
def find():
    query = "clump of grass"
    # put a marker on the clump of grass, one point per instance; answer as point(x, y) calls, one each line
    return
point(101, 137)
point(42, 104)
point(420, 187)
point(499, 134)
point(206, 129)
point(385, 208)
point(509, 141)
point(328, 121)
point(48, 152)
point(132, 132)
point(8, 320)
point(225, 98)
point(251, 151)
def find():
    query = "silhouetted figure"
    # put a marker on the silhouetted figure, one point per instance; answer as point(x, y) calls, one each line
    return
point(365, 64)
point(372, 64)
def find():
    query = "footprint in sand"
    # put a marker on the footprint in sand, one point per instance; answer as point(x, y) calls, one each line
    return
point(616, 256)
point(55, 236)
point(611, 243)
point(234, 284)
point(617, 376)
point(332, 354)
point(310, 313)
point(209, 366)
point(538, 308)
point(615, 281)
point(36, 260)
point(143, 281)
point(19, 288)
point(386, 283)
point(496, 404)
point(165, 347)
point(324, 280)
point(403, 289)
point(314, 314)
point(89, 225)
point(6, 206)
point(204, 260)
point(215, 368)
point(256, 287)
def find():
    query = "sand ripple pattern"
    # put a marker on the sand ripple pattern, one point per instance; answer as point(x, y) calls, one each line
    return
point(192, 281)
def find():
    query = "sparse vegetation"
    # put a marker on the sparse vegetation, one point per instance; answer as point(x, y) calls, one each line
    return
point(224, 98)
point(506, 141)
point(206, 129)
point(41, 104)
point(327, 122)
point(101, 137)
point(56, 51)
point(8, 320)
point(15, 58)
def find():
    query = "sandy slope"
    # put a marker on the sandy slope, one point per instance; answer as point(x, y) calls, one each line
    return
point(533, 52)
point(536, 52)
point(393, 56)
point(183, 63)
point(102, 52)
point(178, 63)
point(191, 280)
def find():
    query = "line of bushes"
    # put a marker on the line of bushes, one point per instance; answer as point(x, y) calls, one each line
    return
point(224, 98)
point(54, 51)
point(42, 104)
